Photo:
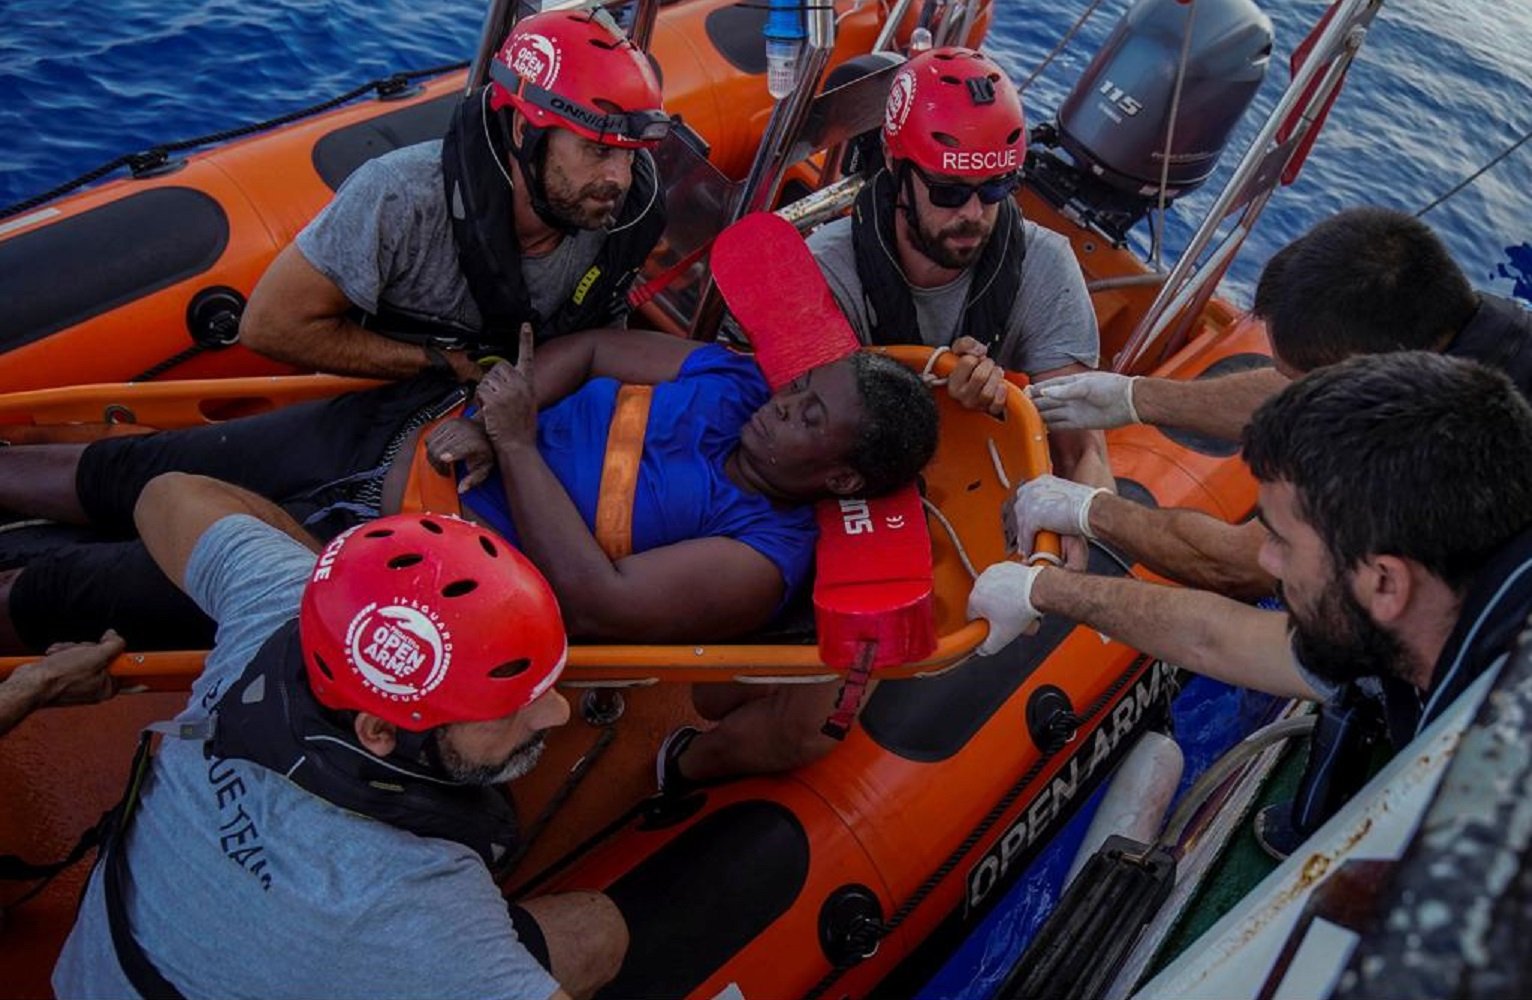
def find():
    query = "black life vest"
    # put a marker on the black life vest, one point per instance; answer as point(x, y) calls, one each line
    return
point(886, 290)
point(477, 187)
point(1499, 334)
point(270, 717)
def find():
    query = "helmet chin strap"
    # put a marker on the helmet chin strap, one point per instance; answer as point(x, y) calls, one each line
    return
point(529, 154)
point(904, 197)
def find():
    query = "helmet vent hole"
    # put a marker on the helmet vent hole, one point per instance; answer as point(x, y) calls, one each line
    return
point(948, 78)
point(379, 533)
point(457, 588)
point(431, 526)
point(511, 669)
point(324, 667)
point(405, 561)
point(488, 547)
point(946, 139)
point(1010, 140)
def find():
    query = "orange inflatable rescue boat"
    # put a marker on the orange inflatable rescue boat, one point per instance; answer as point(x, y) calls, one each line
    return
point(843, 878)
point(854, 871)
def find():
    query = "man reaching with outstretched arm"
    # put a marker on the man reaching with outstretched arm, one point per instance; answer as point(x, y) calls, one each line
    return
point(1402, 548)
point(539, 205)
point(1365, 281)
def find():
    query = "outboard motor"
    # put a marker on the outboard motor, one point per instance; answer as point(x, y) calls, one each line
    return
point(1113, 122)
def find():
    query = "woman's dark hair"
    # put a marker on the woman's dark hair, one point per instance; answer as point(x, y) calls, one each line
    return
point(899, 424)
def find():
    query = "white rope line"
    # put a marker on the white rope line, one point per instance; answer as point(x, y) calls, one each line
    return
point(925, 372)
point(36, 522)
point(1170, 134)
point(957, 543)
point(994, 457)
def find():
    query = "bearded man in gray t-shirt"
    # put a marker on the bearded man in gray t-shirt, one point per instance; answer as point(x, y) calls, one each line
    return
point(937, 253)
point(539, 206)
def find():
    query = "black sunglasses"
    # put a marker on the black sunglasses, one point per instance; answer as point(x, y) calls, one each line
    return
point(951, 194)
point(632, 126)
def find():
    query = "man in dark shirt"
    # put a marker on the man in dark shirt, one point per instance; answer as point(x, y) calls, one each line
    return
point(1364, 281)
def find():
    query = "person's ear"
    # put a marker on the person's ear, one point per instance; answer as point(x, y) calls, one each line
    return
point(845, 481)
point(1384, 586)
point(375, 734)
point(518, 128)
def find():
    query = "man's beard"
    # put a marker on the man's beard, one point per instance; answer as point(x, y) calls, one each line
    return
point(572, 207)
point(520, 761)
point(1341, 643)
point(931, 245)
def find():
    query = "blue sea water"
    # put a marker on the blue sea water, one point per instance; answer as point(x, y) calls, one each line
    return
point(1439, 89)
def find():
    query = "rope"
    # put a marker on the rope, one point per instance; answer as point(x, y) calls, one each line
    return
point(156, 156)
point(577, 773)
point(1059, 48)
point(1170, 133)
point(930, 365)
point(154, 372)
point(1476, 174)
point(957, 543)
point(990, 819)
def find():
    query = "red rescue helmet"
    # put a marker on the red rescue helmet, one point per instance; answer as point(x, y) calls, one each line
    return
point(575, 69)
point(952, 111)
point(423, 620)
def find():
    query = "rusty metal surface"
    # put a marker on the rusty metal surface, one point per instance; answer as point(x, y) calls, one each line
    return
point(1458, 916)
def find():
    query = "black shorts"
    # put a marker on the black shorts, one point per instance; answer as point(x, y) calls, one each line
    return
point(322, 461)
point(530, 934)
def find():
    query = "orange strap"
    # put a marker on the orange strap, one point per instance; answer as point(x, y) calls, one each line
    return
point(426, 489)
point(619, 472)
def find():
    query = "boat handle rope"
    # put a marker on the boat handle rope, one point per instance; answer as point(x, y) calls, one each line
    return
point(156, 157)
point(935, 381)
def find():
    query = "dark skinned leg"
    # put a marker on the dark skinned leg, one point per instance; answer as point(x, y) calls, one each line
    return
point(776, 731)
point(37, 480)
point(10, 641)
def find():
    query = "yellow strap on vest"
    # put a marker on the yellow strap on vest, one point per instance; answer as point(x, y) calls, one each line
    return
point(426, 489)
point(619, 471)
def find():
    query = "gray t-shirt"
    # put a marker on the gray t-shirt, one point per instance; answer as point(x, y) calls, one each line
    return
point(242, 884)
point(386, 237)
point(1052, 323)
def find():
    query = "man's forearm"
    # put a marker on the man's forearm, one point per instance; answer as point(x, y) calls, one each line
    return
point(1185, 545)
point(1081, 456)
point(1219, 407)
point(340, 347)
point(1202, 632)
point(21, 694)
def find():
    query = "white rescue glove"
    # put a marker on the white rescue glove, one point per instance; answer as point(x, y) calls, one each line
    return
point(1002, 596)
point(1049, 503)
point(1087, 401)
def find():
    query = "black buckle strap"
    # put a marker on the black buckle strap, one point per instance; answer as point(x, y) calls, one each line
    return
point(141, 972)
point(852, 691)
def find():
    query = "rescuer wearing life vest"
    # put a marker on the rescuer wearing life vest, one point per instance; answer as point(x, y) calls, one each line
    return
point(937, 253)
point(322, 815)
point(539, 205)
